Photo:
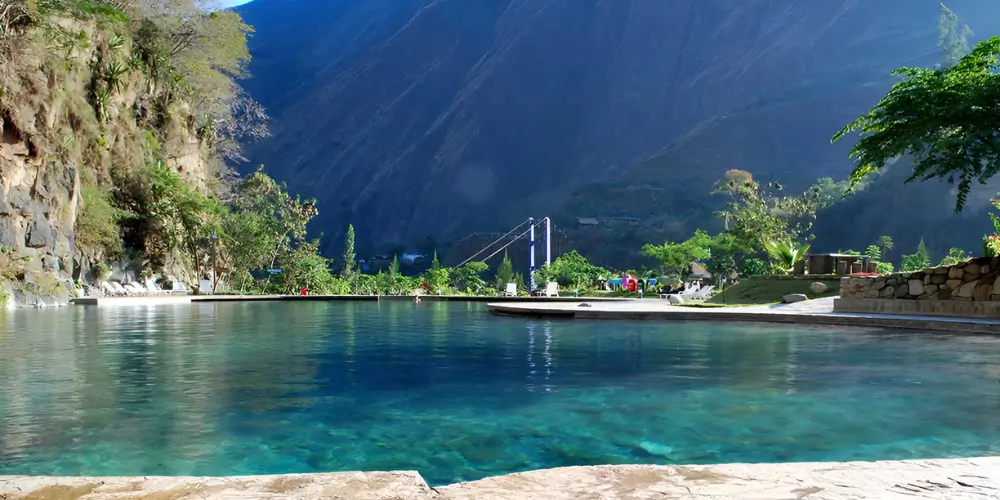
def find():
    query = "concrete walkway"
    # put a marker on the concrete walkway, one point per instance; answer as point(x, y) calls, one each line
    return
point(819, 312)
point(976, 478)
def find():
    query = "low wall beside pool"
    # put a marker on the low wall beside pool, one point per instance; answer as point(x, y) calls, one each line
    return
point(968, 289)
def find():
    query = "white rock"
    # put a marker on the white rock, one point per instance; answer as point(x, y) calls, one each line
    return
point(795, 297)
point(916, 287)
point(817, 287)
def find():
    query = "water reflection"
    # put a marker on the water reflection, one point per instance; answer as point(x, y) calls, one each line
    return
point(459, 394)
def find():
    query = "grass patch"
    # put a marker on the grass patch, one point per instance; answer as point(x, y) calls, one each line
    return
point(762, 291)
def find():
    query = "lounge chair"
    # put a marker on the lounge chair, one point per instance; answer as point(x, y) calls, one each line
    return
point(179, 288)
point(138, 288)
point(205, 287)
point(511, 290)
point(151, 286)
point(552, 289)
point(109, 290)
point(702, 293)
point(121, 289)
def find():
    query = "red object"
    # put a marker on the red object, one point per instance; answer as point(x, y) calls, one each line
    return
point(426, 284)
point(304, 291)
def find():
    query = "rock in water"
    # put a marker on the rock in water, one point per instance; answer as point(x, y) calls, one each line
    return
point(817, 287)
point(795, 297)
point(656, 448)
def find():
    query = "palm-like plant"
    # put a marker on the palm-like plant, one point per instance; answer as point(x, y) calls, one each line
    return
point(785, 254)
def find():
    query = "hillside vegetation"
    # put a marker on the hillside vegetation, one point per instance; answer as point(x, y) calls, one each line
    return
point(118, 118)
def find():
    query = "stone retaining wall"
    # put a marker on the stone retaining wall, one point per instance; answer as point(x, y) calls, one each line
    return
point(950, 287)
point(975, 280)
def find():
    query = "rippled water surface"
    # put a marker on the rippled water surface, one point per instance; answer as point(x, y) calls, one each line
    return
point(457, 394)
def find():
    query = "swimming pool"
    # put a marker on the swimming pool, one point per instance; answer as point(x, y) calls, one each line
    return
point(458, 394)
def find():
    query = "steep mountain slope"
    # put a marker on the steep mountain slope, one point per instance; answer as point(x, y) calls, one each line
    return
point(416, 117)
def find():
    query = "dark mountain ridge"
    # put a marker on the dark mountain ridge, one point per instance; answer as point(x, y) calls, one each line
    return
point(445, 117)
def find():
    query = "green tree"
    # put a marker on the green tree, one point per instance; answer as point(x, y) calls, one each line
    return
point(394, 267)
point(303, 267)
point(874, 253)
point(675, 258)
point(955, 256)
point(96, 229)
point(519, 282)
point(347, 264)
point(505, 273)
point(759, 214)
point(569, 270)
point(467, 277)
point(885, 244)
point(917, 260)
point(945, 118)
point(785, 254)
point(263, 222)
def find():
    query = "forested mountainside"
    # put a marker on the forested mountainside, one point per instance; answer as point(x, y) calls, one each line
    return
point(445, 117)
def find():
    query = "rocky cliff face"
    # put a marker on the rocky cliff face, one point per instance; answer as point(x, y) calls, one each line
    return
point(53, 142)
point(446, 116)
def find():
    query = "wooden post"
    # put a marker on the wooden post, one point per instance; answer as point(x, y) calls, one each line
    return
point(857, 267)
point(841, 267)
point(873, 267)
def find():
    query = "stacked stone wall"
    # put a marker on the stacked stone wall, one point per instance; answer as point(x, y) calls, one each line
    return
point(972, 281)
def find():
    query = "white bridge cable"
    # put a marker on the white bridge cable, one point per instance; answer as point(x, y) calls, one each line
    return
point(495, 242)
point(511, 242)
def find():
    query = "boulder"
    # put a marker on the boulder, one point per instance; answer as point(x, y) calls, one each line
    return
point(794, 297)
point(953, 284)
point(902, 291)
point(944, 294)
point(817, 287)
point(982, 292)
point(675, 299)
point(916, 287)
point(927, 279)
point(973, 269)
point(930, 289)
point(40, 233)
point(996, 286)
point(879, 284)
point(938, 279)
point(966, 290)
point(941, 270)
point(887, 292)
point(955, 273)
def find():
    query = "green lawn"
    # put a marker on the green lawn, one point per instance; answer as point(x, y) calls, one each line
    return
point(761, 290)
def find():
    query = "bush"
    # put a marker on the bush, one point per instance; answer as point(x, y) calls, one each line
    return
point(754, 267)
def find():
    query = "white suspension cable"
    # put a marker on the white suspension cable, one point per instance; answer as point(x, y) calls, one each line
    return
point(511, 242)
point(494, 243)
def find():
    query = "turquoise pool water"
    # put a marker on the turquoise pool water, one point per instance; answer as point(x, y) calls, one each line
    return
point(457, 394)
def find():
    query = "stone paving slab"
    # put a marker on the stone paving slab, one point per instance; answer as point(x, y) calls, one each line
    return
point(819, 312)
point(405, 485)
point(927, 479)
point(974, 478)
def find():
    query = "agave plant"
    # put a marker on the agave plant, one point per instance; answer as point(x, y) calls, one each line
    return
point(785, 254)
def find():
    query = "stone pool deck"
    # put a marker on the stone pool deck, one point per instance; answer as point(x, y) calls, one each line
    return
point(816, 312)
point(974, 478)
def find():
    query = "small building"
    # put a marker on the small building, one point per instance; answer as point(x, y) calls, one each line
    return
point(623, 221)
point(698, 272)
